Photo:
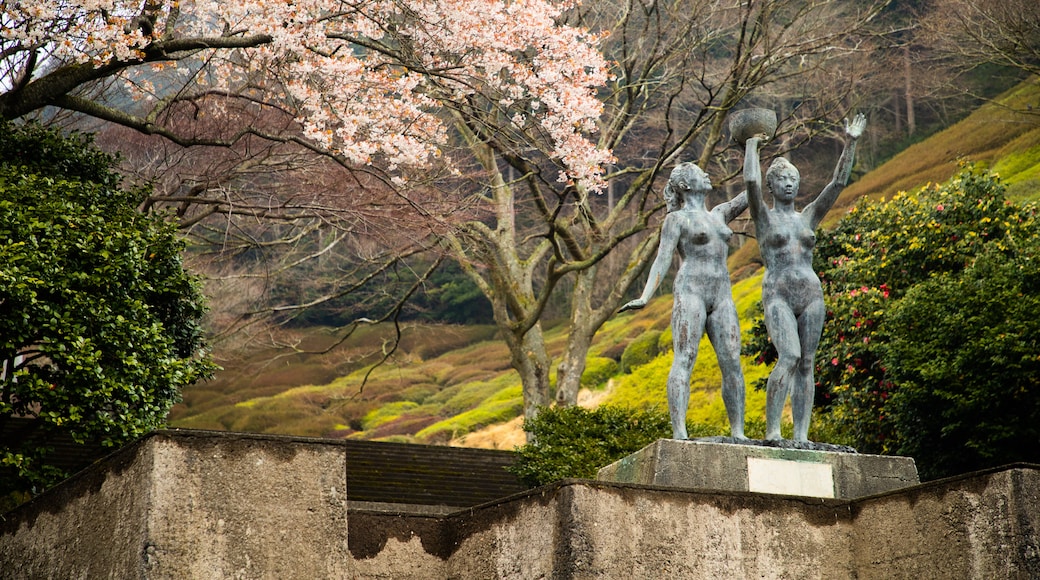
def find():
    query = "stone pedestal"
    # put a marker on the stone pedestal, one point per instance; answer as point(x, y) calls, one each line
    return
point(739, 467)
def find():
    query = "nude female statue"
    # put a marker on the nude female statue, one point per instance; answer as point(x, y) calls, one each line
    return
point(702, 294)
point(791, 293)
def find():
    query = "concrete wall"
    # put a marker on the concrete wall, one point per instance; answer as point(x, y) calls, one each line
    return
point(233, 506)
point(190, 507)
point(982, 526)
point(90, 529)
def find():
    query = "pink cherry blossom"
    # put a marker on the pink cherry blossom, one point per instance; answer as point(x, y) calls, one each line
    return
point(372, 80)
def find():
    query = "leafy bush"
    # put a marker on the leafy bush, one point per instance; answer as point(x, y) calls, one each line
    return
point(641, 350)
point(614, 351)
point(966, 358)
point(937, 228)
point(386, 413)
point(576, 442)
point(102, 324)
point(502, 406)
point(665, 342)
point(465, 396)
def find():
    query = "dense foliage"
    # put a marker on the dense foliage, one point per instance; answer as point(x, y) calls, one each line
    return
point(930, 349)
point(641, 350)
point(576, 442)
point(101, 324)
point(965, 352)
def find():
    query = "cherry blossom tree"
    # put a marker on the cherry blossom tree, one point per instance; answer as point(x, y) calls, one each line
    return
point(376, 87)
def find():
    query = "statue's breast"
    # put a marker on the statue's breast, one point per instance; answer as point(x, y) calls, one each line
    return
point(780, 238)
point(703, 229)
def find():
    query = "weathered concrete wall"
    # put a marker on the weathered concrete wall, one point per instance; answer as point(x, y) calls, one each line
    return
point(200, 506)
point(585, 529)
point(246, 508)
point(984, 525)
point(227, 505)
point(88, 528)
point(513, 539)
point(634, 533)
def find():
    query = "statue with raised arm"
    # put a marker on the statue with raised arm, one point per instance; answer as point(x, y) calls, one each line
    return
point(702, 298)
point(792, 297)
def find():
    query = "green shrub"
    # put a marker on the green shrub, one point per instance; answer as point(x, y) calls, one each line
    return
point(614, 351)
point(419, 392)
point(964, 359)
point(641, 350)
point(463, 397)
point(403, 425)
point(664, 342)
point(929, 349)
point(598, 371)
point(576, 442)
point(101, 325)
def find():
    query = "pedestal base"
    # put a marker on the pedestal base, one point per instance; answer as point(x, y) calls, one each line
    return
point(735, 467)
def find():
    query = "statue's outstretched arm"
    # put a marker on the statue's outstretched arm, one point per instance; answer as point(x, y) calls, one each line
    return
point(819, 207)
point(663, 261)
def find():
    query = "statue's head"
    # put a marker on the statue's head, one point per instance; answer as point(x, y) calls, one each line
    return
point(782, 177)
point(685, 177)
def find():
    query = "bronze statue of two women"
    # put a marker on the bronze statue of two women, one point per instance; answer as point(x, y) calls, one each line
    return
point(792, 297)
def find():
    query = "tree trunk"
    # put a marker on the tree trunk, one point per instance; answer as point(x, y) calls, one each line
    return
point(911, 123)
point(590, 309)
point(531, 361)
point(584, 324)
point(897, 112)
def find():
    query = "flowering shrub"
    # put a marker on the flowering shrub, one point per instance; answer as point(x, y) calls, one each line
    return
point(899, 243)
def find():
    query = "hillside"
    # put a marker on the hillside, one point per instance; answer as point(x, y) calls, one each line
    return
point(1003, 136)
point(453, 384)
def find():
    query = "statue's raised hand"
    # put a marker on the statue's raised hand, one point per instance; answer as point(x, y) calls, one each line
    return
point(855, 128)
point(633, 305)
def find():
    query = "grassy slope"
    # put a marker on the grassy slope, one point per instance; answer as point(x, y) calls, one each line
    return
point(447, 381)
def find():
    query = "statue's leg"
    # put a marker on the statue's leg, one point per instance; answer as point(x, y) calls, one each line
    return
point(688, 316)
point(803, 389)
point(783, 331)
point(724, 332)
